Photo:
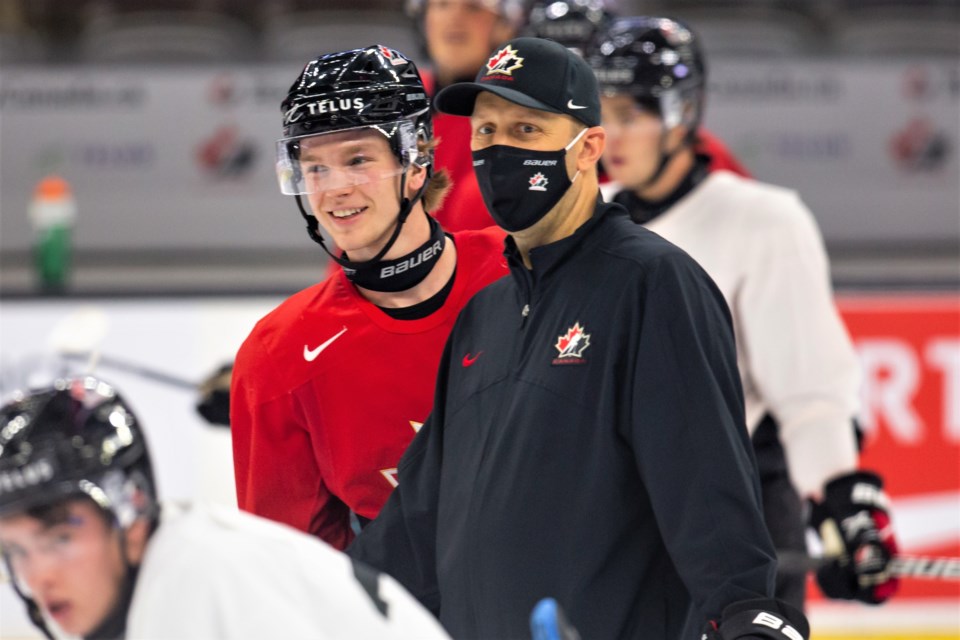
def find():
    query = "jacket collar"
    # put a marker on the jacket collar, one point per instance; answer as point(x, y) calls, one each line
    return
point(547, 258)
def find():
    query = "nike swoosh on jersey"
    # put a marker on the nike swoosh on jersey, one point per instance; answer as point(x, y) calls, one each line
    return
point(570, 105)
point(311, 354)
point(468, 361)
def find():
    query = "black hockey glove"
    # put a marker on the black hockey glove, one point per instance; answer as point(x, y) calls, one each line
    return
point(214, 402)
point(759, 619)
point(854, 524)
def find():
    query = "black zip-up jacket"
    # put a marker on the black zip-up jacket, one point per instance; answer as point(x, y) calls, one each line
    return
point(587, 443)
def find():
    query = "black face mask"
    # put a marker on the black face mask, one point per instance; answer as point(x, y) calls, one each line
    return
point(401, 273)
point(520, 186)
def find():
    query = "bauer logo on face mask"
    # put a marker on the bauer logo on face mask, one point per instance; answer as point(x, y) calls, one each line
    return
point(504, 62)
point(337, 105)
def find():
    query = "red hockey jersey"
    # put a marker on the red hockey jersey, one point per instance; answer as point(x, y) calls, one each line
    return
point(328, 391)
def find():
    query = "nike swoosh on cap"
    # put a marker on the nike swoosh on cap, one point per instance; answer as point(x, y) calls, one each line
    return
point(311, 354)
point(570, 105)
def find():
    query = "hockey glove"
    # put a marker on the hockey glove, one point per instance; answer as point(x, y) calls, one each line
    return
point(854, 524)
point(759, 619)
point(214, 402)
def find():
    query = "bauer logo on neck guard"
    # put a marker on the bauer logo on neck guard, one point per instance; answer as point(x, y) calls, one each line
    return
point(504, 62)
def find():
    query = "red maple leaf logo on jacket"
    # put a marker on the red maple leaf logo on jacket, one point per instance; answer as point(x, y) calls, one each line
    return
point(573, 343)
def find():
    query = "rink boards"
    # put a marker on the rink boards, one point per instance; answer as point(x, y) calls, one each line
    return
point(909, 347)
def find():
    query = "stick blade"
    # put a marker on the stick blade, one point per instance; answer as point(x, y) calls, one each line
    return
point(79, 332)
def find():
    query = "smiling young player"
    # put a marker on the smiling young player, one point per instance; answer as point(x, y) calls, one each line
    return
point(330, 387)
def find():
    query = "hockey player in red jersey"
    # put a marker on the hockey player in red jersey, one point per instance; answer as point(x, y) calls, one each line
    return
point(458, 35)
point(331, 386)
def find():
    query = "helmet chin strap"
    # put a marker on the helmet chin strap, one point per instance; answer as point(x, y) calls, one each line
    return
point(665, 158)
point(406, 206)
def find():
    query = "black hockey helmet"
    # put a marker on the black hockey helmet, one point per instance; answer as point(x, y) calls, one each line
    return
point(657, 61)
point(374, 87)
point(572, 23)
point(75, 438)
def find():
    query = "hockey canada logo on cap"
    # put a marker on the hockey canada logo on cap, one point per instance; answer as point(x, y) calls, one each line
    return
point(571, 345)
point(538, 182)
point(504, 62)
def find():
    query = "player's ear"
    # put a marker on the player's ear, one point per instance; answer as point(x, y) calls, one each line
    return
point(677, 135)
point(415, 178)
point(137, 535)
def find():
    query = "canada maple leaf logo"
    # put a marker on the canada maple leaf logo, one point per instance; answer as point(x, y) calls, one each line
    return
point(504, 62)
point(572, 344)
point(538, 182)
point(391, 55)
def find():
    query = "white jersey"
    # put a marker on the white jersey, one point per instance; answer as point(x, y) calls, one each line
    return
point(762, 247)
point(215, 572)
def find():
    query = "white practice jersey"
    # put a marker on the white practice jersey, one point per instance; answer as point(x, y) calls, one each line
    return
point(762, 247)
point(215, 572)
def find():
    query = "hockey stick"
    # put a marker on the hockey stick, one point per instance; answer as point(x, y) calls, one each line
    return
point(78, 337)
point(128, 367)
point(904, 566)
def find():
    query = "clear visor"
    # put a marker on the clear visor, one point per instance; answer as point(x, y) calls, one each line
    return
point(342, 159)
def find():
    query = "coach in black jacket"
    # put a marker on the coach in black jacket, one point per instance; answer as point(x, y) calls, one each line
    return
point(587, 440)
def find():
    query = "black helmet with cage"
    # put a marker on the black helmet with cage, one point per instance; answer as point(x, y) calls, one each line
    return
point(74, 439)
point(374, 88)
point(657, 61)
point(572, 23)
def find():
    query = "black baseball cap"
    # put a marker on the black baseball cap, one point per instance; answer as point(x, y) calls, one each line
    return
point(532, 72)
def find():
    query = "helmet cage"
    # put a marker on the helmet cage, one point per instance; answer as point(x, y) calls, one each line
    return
point(402, 136)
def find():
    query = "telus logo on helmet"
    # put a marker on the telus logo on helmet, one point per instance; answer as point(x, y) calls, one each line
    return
point(26, 476)
point(298, 111)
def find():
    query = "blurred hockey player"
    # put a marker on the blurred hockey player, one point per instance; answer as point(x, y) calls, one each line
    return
point(331, 386)
point(92, 553)
point(762, 246)
point(575, 24)
point(458, 36)
point(572, 23)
